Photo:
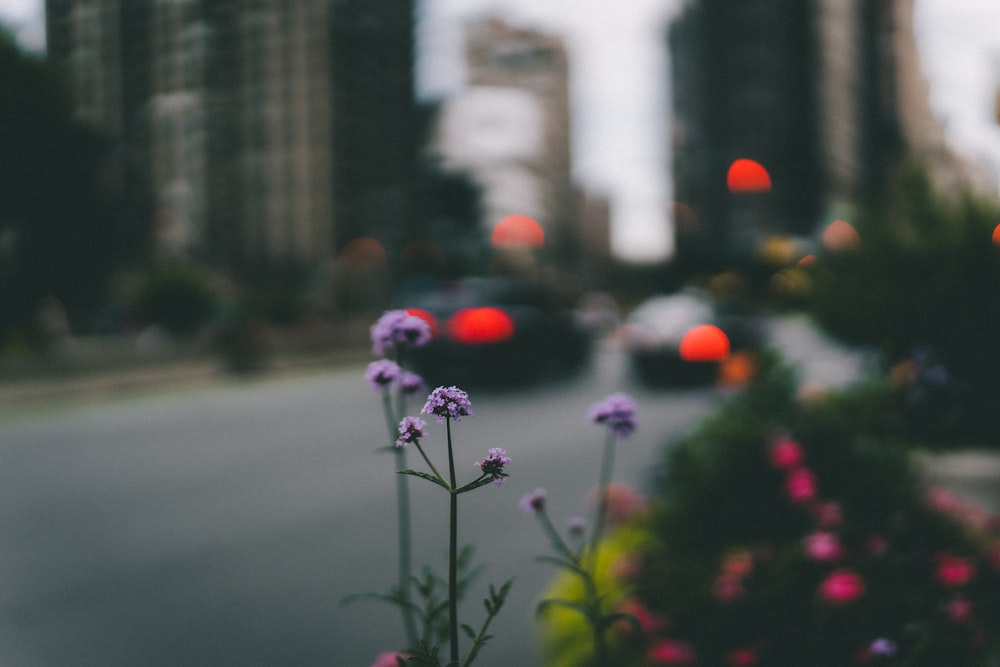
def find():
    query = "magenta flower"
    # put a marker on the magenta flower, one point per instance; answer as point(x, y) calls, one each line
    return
point(954, 570)
point(382, 373)
point(617, 412)
point(534, 501)
point(883, 647)
point(411, 429)
point(842, 586)
point(785, 453)
point(448, 403)
point(823, 547)
point(494, 464)
point(671, 652)
point(389, 659)
point(959, 609)
point(398, 329)
point(800, 485)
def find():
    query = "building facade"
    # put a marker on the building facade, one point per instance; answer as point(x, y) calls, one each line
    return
point(256, 123)
point(826, 94)
point(511, 129)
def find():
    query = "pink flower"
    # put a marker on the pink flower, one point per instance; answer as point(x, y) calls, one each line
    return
point(742, 657)
point(389, 659)
point(786, 453)
point(959, 609)
point(800, 485)
point(823, 546)
point(623, 502)
point(671, 652)
point(728, 588)
point(828, 514)
point(842, 586)
point(954, 570)
point(738, 563)
point(649, 622)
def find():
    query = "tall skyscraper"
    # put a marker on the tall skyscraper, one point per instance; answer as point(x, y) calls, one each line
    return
point(272, 132)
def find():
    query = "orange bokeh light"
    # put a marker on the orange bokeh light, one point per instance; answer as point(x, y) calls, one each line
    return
point(748, 176)
point(363, 252)
point(840, 236)
point(517, 231)
point(474, 326)
point(996, 235)
point(705, 342)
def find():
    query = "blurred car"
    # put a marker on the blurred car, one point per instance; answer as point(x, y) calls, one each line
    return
point(495, 331)
point(683, 339)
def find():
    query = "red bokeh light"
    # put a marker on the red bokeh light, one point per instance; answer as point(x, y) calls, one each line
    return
point(476, 326)
point(996, 235)
point(706, 342)
point(748, 176)
point(517, 231)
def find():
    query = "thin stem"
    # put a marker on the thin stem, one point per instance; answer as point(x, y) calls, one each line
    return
point(555, 538)
point(428, 461)
point(452, 552)
point(607, 464)
point(403, 518)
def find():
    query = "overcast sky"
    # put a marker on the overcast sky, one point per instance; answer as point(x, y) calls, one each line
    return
point(618, 79)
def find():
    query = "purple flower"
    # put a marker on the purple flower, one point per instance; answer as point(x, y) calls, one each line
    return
point(398, 329)
point(382, 373)
point(494, 463)
point(447, 403)
point(576, 525)
point(411, 383)
point(883, 647)
point(617, 411)
point(411, 429)
point(534, 501)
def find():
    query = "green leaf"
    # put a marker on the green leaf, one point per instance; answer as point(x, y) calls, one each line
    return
point(471, 486)
point(429, 477)
point(469, 632)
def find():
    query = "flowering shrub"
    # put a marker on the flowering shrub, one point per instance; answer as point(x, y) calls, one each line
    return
point(788, 534)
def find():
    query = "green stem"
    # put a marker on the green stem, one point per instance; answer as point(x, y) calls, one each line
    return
point(607, 465)
point(452, 553)
point(403, 517)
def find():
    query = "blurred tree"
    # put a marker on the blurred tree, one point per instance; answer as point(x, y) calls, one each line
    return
point(64, 223)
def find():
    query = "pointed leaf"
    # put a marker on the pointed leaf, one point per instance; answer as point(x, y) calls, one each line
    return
point(424, 475)
point(471, 486)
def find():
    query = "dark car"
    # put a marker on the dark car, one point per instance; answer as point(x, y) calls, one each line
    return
point(495, 331)
point(682, 339)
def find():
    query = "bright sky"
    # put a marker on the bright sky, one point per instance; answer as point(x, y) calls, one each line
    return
point(619, 87)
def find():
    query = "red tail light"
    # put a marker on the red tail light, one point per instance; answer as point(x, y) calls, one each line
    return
point(474, 326)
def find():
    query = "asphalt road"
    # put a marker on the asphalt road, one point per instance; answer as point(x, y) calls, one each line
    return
point(223, 525)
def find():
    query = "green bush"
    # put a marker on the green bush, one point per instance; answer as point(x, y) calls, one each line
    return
point(786, 533)
point(180, 299)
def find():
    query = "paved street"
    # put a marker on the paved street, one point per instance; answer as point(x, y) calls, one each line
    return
point(221, 526)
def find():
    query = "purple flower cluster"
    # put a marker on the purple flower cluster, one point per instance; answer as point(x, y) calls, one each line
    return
point(382, 373)
point(617, 412)
point(398, 329)
point(447, 403)
point(534, 501)
point(411, 384)
point(494, 463)
point(411, 429)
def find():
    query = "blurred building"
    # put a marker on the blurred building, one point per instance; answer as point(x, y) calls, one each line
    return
point(510, 129)
point(825, 94)
point(272, 132)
